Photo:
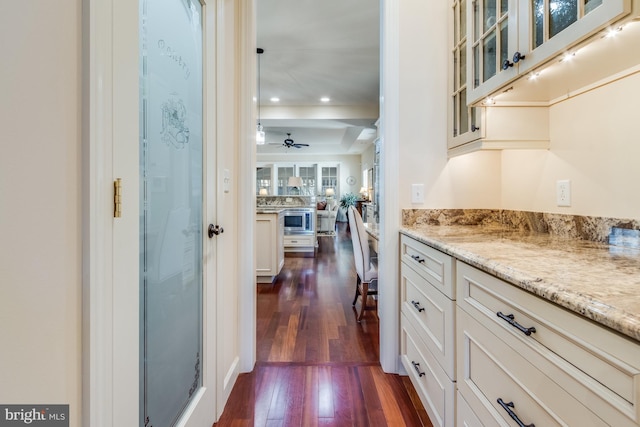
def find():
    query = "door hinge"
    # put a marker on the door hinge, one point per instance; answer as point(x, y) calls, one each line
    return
point(117, 198)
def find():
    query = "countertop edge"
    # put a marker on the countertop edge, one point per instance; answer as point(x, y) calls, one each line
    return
point(620, 321)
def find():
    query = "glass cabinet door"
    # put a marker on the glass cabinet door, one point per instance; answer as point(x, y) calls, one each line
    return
point(464, 125)
point(263, 181)
point(556, 25)
point(494, 37)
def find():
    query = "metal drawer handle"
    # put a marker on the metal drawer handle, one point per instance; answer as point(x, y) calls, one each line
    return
point(416, 304)
point(507, 407)
point(509, 319)
point(416, 366)
point(417, 258)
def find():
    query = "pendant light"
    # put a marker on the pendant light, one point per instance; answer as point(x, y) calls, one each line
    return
point(260, 136)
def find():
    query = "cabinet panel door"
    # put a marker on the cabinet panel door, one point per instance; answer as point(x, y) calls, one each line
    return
point(437, 392)
point(500, 383)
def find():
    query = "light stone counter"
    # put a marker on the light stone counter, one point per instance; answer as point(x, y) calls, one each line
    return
point(596, 280)
point(269, 210)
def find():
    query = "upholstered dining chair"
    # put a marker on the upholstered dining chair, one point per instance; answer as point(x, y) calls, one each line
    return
point(367, 273)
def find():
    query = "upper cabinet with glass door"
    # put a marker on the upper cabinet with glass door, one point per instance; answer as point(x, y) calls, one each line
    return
point(464, 121)
point(510, 38)
point(479, 128)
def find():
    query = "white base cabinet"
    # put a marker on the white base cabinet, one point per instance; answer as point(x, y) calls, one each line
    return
point(300, 243)
point(270, 247)
point(522, 356)
point(427, 339)
point(483, 352)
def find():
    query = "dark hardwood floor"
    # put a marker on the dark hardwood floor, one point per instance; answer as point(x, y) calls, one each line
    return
point(316, 365)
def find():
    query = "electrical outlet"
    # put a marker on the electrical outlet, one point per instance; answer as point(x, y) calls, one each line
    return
point(563, 192)
point(417, 193)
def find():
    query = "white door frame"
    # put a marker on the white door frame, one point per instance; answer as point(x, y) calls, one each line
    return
point(110, 333)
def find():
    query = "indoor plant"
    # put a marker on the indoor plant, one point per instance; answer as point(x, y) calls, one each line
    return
point(348, 199)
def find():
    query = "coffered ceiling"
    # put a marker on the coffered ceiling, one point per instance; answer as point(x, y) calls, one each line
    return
point(315, 49)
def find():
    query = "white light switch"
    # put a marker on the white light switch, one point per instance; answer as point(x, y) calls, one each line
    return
point(417, 193)
point(226, 180)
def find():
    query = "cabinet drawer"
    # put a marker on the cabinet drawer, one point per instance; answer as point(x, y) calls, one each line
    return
point(465, 416)
point(594, 364)
point(432, 315)
point(299, 240)
point(434, 266)
point(500, 384)
point(436, 390)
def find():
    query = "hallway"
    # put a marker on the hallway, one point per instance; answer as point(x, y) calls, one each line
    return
point(315, 364)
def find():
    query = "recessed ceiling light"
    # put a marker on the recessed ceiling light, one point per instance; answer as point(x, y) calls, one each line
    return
point(325, 99)
point(275, 99)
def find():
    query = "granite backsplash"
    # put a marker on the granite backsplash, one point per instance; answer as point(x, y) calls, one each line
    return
point(597, 229)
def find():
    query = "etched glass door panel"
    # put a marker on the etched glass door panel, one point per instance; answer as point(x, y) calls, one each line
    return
point(171, 206)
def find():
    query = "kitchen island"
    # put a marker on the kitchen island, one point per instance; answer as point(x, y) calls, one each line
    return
point(270, 247)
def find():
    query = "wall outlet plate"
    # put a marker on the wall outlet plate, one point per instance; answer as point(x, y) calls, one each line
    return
point(563, 192)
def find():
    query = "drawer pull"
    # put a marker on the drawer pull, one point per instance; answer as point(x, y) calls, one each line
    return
point(416, 366)
point(507, 407)
point(416, 304)
point(509, 319)
point(417, 258)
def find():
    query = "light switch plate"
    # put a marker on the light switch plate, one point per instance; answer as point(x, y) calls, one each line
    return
point(417, 193)
point(226, 180)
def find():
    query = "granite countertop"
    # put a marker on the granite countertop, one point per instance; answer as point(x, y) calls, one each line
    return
point(596, 280)
point(270, 210)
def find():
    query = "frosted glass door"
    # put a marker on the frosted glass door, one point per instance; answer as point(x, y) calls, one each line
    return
point(171, 206)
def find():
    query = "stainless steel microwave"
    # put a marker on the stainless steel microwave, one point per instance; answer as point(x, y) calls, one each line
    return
point(299, 221)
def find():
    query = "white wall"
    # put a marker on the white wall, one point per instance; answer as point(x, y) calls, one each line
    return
point(595, 143)
point(471, 181)
point(40, 211)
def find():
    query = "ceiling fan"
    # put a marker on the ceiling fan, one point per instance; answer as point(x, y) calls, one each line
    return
point(288, 143)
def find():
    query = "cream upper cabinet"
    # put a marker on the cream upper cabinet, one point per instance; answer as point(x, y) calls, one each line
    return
point(481, 128)
point(511, 38)
point(464, 121)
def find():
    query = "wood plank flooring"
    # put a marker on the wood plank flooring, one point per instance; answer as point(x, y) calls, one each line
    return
point(316, 365)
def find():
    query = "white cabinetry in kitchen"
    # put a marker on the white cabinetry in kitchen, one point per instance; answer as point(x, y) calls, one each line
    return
point(475, 128)
point(509, 38)
point(269, 246)
point(428, 327)
point(483, 352)
point(523, 358)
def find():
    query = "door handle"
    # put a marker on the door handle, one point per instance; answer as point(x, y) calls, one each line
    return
point(215, 230)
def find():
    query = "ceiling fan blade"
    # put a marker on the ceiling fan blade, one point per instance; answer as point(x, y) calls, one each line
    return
point(300, 145)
